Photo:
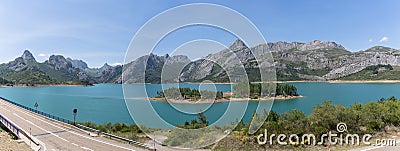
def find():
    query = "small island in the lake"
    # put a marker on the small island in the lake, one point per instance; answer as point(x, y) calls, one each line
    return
point(257, 93)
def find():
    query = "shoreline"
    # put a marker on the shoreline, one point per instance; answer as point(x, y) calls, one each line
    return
point(295, 81)
point(187, 101)
point(364, 81)
point(45, 85)
point(299, 81)
point(58, 85)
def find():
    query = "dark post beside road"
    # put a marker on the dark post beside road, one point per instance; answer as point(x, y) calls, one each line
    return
point(75, 111)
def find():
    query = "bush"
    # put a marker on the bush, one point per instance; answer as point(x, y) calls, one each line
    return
point(369, 118)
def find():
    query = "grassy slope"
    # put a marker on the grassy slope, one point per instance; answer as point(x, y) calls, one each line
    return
point(29, 77)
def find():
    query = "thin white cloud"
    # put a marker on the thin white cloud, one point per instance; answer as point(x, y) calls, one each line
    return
point(116, 64)
point(384, 39)
point(42, 55)
point(370, 40)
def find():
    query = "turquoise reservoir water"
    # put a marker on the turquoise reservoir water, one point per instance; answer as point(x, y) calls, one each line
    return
point(105, 102)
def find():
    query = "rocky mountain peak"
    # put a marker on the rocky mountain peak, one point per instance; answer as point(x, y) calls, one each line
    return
point(78, 63)
point(178, 58)
point(58, 62)
point(380, 49)
point(27, 56)
point(22, 62)
point(57, 58)
point(237, 45)
point(317, 44)
point(106, 66)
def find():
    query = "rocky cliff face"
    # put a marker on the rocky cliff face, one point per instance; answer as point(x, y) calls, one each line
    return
point(284, 46)
point(57, 69)
point(148, 69)
point(22, 62)
point(358, 61)
point(217, 66)
point(315, 60)
point(78, 64)
point(328, 60)
point(28, 57)
point(58, 62)
point(316, 44)
point(108, 74)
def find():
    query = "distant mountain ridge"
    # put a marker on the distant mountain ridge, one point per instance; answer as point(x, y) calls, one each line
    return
point(55, 70)
point(314, 60)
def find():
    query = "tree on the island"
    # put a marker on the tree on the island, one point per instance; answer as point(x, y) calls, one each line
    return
point(187, 93)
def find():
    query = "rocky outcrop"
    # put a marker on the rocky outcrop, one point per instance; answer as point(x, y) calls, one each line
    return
point(358, 62)
point(28, 57)
point(315, 60)
point(316, 44)
point(58, 62)
point(148, 69)
point(23, 62)
point(108, 74)
point(78, 64)
point(55, 70)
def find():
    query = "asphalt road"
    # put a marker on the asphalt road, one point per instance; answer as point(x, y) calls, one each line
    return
point(378, 148)
point(54, 135)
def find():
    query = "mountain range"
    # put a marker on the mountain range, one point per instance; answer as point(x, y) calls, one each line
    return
point(315, 61)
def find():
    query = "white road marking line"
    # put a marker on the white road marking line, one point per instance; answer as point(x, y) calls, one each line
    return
point(41, 128)
point(5, 109)
point(75, 144)
point(85, 148)
point(376, 147)
point(40, 142)
point(75, 132)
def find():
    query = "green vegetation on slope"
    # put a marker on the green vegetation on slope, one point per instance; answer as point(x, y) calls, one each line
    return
point(29, 77)
point(186, 138)
point(377, 72)
point(195, 124)
point(370, 118)
point(4, 81)
point(131, 131)
point(40, 73)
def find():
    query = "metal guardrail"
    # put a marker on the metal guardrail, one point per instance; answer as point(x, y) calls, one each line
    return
point(10, 126)
point(16, 130)
point(40, 112)
point(77, 125)
point(113, 136)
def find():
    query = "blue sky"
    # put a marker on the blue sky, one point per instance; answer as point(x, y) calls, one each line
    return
point(100, 31)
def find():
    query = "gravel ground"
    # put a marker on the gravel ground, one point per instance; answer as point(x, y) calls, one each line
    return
point(8, 144)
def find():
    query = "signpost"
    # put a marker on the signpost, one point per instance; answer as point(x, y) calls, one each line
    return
point(75, 111)
point(30, 133)
point(36, 105)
